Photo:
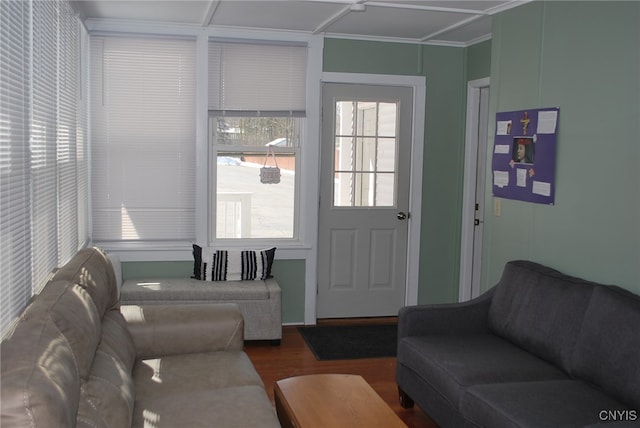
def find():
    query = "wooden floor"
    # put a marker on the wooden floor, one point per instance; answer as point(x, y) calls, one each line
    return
point(293, 358)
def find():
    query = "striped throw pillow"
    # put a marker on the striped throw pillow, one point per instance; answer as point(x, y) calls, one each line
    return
point(211, 264)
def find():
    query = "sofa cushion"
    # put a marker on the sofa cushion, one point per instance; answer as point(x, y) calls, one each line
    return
point(117, 270)
point(234, 264)
point(608, 349)
point(172, 290)
point(223, 387)
point(71, 310)
point(452, 363)
point(556, 403)
point(107, 397)
point(116, 338)
point(196, 372)
point(91, 269)
point(47, 355)
point(239, 406)
point(540, 309)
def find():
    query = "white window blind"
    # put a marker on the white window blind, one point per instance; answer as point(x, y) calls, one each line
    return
point(143, 139)
point(43, 137)
point(41, 172)
point(257, 77)
point(67, 162)
point(15, 243)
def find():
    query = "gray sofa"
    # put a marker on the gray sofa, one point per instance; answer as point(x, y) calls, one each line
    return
point(77, 359)
point(540, 349)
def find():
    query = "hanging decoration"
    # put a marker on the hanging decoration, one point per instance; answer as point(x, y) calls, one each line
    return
point(270, 174)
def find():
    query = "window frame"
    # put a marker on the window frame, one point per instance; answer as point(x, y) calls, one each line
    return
point(305, 246)
point(238, 108)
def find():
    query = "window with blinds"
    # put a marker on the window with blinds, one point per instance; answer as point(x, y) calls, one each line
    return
point(257, 102)
point(143, 138)
point(43, 163)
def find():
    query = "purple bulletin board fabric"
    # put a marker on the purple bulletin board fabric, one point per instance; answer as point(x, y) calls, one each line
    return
point(524, 155)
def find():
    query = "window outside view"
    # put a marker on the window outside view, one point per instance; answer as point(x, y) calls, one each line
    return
point(245, 207)
point(365, 154)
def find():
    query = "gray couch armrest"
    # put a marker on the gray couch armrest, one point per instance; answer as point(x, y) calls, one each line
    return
point(464, 317)
point(160, 330)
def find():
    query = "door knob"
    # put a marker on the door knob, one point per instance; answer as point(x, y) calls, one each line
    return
point(402, 216)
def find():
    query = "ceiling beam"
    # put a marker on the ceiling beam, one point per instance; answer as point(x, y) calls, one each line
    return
point(450, 28)
point(211, 10)
point(425, 8)
point(327, 23)
point(506, 6)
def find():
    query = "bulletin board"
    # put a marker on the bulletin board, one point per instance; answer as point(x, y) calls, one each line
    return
point(524, 155)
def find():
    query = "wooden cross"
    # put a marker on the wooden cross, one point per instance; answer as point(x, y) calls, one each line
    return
point(525, 122)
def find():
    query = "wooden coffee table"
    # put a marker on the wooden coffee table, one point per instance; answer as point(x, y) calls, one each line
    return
point(331, 400)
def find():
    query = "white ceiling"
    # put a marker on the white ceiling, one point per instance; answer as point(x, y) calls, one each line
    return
point(447, 22)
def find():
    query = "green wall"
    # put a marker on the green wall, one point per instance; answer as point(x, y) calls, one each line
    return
point(357, 56)
point(443, 174)
point(444, 68)
point(478, 60)
point(584, 58)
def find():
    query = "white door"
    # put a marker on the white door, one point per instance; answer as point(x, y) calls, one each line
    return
point(473, 204)
point(364, 200)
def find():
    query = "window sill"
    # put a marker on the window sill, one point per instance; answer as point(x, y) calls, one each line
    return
point(181, 251)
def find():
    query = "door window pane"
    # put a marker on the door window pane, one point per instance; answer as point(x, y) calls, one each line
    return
point(365, 151)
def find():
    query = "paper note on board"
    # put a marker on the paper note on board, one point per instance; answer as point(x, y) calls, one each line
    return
point(503, 127)
point(500, 178)
point(501, 149)
point(522, 177)
point(547, 121)
point(541, 188)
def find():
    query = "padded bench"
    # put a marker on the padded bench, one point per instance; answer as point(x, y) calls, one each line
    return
point(259, 301)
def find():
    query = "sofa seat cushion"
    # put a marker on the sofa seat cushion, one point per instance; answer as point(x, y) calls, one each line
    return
point(556, 403)
point(241, 406)
point(452, 363)
point(195, 372)
point(205, 389)
point(186, 290)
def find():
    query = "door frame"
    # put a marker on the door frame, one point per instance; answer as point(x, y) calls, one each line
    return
point(469, 188)
point(418, 84)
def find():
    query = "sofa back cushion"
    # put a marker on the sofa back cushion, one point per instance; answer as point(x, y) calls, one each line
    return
point(92, 270)
point(607, 352)
point(47, 356)
point(107, 397)
point(540, 310)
